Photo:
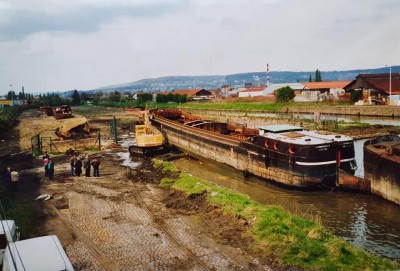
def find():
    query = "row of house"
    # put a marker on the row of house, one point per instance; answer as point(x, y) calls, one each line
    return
point(372, 89)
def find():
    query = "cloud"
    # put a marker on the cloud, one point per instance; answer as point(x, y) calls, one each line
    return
point(83, 16)
point(84, 44)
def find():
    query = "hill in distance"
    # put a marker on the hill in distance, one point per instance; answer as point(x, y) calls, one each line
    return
point(169, 83)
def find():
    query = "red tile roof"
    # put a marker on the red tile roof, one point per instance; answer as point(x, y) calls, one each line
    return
point(188, 92)
point(325, 85)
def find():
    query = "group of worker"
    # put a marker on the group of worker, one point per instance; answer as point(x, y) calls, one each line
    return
point(76, 165)
point(11, 176)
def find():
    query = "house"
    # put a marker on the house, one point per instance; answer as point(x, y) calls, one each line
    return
point(4, 103)
point(229, 91)
point(194, 94)
point(320, 91)
point(376, 88)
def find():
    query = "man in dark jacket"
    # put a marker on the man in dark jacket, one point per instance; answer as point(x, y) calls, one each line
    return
point(78, 167)
point(96, 166)
point(86, 165)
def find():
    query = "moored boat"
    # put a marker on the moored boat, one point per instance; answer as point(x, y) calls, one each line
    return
point(382, 166)
point(288, 155)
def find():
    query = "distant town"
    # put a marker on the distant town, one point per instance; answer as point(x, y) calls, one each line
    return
point(363, 87)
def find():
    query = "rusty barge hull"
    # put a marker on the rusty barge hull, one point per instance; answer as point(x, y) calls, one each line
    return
point(382, 166)
point(277, 166)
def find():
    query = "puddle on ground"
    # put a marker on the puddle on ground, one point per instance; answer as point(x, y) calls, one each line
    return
point(128, 161)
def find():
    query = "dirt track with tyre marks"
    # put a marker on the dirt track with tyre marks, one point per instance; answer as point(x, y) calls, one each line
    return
point(118, 223)
point(122, 220)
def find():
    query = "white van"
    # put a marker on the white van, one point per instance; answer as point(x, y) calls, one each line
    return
point(8, 233)
point(36, 254)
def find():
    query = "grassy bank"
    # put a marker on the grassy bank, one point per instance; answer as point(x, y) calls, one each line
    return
point(278, 234)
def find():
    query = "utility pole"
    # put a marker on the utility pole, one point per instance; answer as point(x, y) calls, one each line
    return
point(12, 95)
point(390, 82)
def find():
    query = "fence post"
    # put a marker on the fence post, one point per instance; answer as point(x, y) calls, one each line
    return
point(113, 126)
point(40, 142)
point(98, 138)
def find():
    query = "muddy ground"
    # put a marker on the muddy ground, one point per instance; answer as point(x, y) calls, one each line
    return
point(121, 220)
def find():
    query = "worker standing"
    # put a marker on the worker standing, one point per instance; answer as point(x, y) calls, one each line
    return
point(72, 164)
point(46, 158)
point(78, 167)
point(14, 180)
point(50, 169)
point(96, 167)
point(86, 165)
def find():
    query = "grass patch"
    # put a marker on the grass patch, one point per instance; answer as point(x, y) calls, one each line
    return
point(291, 239)
point(17, 210)
point(273, 107)
point(167, 167)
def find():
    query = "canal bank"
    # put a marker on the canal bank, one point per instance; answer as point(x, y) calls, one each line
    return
point(360, 229)
point(294, 239)
point(364, 220)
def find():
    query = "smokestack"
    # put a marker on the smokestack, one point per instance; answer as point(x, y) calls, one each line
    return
point(267, 83)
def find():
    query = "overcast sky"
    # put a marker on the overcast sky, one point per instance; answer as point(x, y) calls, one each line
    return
point(58, 45)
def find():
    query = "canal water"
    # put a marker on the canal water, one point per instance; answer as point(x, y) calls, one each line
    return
point(364, 220)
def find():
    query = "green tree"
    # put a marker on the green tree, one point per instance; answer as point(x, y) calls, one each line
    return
point(145, 97)
point(355, 96)
point(284, 94)
point(318, 77)
point(11, 95)
point(170, 97)
point(96, 99)
point(161, 98)
point(115, 96)
point(76, 99)
point(140, 100)
point(309, 78)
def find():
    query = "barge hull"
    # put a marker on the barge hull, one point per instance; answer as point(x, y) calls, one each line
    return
point(226, 150)
point(382, 167)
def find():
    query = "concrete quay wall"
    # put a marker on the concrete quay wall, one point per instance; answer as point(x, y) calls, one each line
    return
point(381, 111)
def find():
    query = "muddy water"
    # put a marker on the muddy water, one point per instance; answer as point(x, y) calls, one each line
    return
point(363, 220)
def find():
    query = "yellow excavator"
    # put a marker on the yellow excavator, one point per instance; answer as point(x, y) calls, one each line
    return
point(148, 139)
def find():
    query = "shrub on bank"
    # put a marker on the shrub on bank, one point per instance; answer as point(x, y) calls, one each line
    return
point(7, 118)
point(277, 233)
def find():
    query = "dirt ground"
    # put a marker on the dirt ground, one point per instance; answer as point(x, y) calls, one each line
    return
point(121, 220)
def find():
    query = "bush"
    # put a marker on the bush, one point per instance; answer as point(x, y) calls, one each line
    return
point(355, 96)
point(284, 94)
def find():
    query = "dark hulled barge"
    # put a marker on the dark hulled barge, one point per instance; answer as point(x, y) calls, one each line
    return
point(382, 166)
point(288, 155)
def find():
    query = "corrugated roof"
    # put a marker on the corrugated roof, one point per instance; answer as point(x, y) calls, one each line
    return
point(255, 89)
point(325, 85)
point(271, 88)
point(380, 82)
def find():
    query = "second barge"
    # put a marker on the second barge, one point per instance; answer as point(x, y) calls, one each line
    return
point(382, 166)
point(288, 155)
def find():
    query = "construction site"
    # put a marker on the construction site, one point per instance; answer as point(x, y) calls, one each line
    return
point(121, 220)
